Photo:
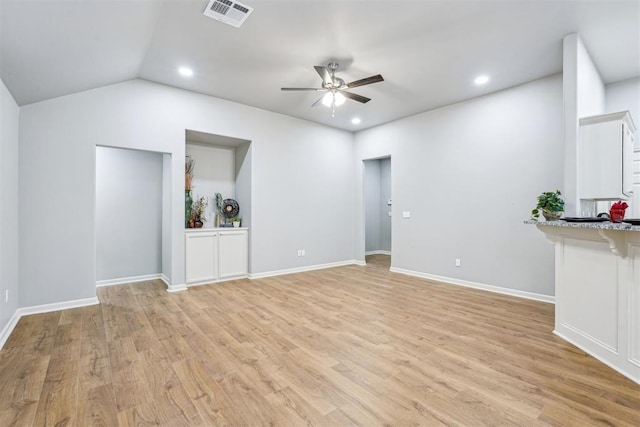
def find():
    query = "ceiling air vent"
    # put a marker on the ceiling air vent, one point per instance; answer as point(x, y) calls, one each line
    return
point(230, 12)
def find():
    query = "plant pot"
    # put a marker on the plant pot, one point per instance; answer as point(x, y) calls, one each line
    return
point(551, 215)
point(188, 201)
point(236, 224)
point(198, 223)
point(617, 215)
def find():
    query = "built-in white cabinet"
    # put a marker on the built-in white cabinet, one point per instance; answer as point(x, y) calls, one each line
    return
point(216, 254)
point(606, 156)
point(232, 256)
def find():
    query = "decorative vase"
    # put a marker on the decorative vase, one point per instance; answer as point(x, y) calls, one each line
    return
point(616, 215)
point(217, 219)
point(198, 223)
point(188, 202)
point(551, 215)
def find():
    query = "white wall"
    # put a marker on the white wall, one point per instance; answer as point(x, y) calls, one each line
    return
point(167, 219)
point(385, 195)
point(128, 213)
point(584, 95)
point(214, 172)
point(301, 181)
point(625, 95)
point(372, 204)
point(469, 174)
point(9, 243)
point(243, 182)
point(377, 192)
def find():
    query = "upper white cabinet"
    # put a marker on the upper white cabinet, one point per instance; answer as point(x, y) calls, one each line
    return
point(216, 254)
point(606, 156)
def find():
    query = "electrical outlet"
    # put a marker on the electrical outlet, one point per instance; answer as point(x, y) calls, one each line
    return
point(299, 252)
point(303, 253)
point(6, 295)
point(457, 262)
point(406, 214)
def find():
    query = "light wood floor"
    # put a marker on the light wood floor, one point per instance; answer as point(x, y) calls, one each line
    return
point(345, 346)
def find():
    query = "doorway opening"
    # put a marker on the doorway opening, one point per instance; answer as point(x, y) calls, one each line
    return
point(378, 204)
point(132, 215)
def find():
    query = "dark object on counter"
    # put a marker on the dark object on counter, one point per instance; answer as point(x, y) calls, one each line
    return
point(584, 219)
point(230, 208)
point(632, 221)
point(604, 215)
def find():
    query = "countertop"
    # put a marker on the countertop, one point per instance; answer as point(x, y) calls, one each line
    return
point(623, 226)
point(200, 230)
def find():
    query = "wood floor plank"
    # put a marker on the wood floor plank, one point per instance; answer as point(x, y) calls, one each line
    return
point(58, 400)
point(347, 346)
point(96, 407)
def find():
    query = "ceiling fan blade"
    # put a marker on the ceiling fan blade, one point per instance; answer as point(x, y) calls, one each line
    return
point(367, 81)
point(356, 97)
point(318, 102)
point(325, 75)
point(315, 89)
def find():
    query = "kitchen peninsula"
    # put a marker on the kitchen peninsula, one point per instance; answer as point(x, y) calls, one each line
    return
point(597, 285)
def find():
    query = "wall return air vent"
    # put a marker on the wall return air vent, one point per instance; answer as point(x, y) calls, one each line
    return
point(230, 12)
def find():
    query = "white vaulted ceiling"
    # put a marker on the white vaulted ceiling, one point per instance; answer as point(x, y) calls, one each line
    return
point(429, 52)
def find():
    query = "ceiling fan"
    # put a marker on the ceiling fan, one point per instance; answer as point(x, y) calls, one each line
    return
point(336, 88)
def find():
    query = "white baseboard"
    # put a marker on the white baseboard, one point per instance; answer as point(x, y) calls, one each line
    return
point(476, 285)
point(176, 288)
point(44, 308)
point(213, 282)
point(56, 306)
point(124, 280)
point(303, 269)
point(378, 253)
point(9, 327)
point(359, 262)
point(165, 279)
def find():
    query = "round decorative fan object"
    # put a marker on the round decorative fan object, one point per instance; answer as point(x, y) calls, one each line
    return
point(230, 208)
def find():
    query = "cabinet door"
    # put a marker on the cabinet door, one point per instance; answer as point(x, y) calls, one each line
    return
point(233, 255)
point(627, 162)
point(201, 255)
point(601, 161)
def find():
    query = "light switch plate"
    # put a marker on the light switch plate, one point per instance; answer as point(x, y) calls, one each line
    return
point(406, 214)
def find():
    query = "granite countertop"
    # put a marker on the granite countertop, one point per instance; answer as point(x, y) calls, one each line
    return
point(200, 230)
point(623, 226)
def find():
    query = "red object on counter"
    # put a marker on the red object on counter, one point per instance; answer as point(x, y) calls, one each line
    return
point(616, 214)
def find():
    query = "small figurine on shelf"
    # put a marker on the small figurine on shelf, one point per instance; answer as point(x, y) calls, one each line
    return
point(218, 209)
point(617, 211)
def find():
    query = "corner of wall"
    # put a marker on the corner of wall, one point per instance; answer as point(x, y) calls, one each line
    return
point(583, 95)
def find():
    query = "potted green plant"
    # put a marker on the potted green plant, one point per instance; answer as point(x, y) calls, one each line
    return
point(236, 220)
point(551, 205)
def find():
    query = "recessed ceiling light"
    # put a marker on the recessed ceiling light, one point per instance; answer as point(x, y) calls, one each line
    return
point(185, 71)
point(480, 80)
point(355, 121)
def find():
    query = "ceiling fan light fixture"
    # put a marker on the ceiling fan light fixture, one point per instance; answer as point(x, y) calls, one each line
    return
point(327, 100)
point(338, 99)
